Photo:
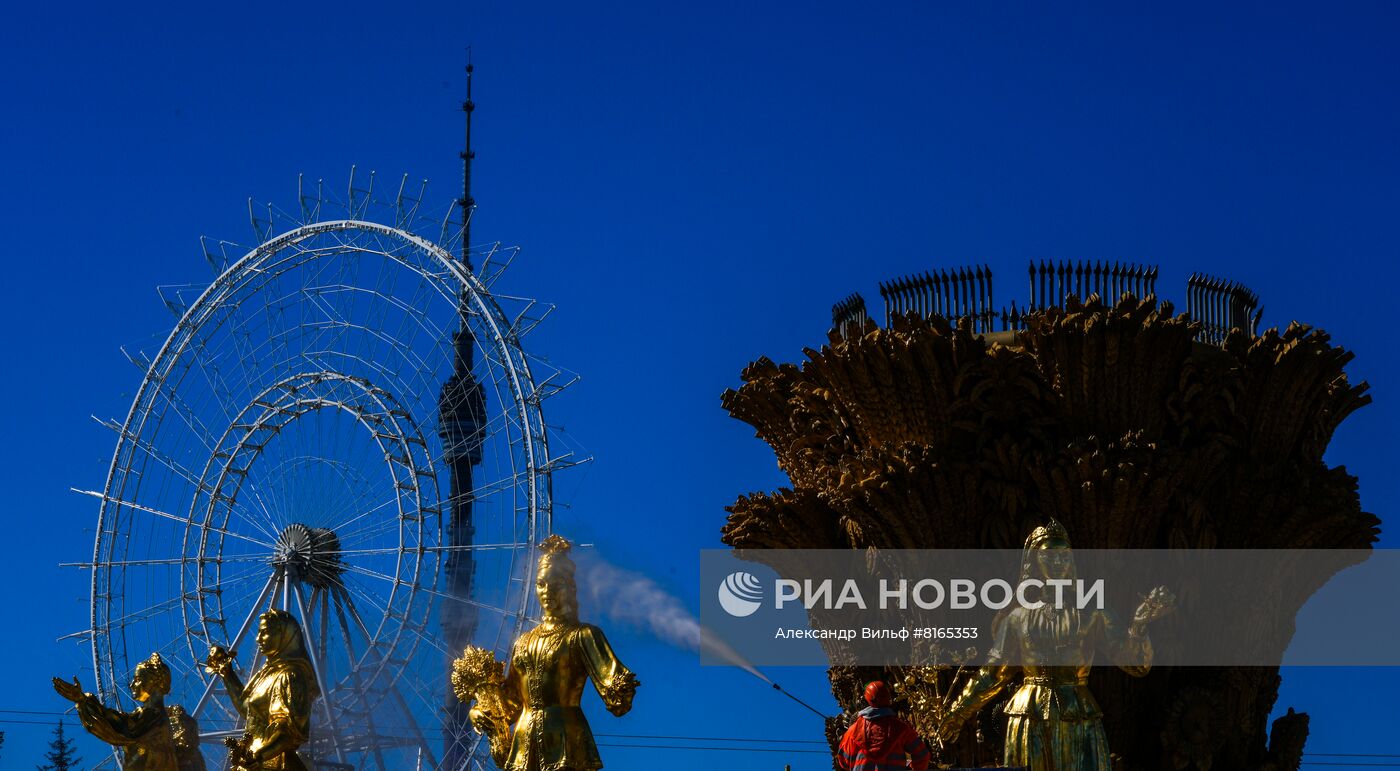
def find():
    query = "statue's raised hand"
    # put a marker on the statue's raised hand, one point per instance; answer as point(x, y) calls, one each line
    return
point(1158, 602)
point(219, 661)
point(71, 691)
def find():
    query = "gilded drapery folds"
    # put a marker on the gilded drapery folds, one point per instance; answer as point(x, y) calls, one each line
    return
point(276, 700)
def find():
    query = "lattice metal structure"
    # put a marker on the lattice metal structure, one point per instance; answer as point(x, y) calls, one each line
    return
point(849, 316)
point(289, 447)
point(1221, 306)
point(953, 294)
point(1052, 282)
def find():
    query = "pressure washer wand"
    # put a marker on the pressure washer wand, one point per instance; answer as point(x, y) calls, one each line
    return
point(719, 649)
point(779, 689)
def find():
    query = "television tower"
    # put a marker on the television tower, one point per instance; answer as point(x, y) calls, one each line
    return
point(462, 414)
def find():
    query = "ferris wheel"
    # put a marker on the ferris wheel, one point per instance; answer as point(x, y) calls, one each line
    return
point(344, 424)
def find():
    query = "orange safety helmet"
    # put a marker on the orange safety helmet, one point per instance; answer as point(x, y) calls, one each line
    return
point(877, 694)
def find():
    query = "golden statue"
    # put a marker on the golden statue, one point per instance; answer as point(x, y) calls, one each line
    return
point(1053, 722)
point(154, 737)
point(276, 701)
point(549, 666)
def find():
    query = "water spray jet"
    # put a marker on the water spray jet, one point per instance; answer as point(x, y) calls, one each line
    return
point(637, 600)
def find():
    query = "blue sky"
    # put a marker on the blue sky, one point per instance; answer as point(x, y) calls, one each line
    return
point(693, 186)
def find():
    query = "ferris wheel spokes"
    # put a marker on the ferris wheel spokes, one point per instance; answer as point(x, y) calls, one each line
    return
point(215, 477)
point(284, 588)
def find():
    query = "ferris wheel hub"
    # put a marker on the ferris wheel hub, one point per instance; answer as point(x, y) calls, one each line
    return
point(310, 555)
point(365, 372)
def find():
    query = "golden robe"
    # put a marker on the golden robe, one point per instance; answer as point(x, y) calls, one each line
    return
point(548, 670)
point(1053, 721)
point(279, 696)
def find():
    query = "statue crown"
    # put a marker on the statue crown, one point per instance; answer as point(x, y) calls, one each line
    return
point(1049, 531)
point(556, 544)
point(555, 556)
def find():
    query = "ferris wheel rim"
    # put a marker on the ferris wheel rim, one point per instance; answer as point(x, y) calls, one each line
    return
point(523, 389)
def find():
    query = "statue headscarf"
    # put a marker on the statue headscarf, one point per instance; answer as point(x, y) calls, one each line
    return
point(291, 647)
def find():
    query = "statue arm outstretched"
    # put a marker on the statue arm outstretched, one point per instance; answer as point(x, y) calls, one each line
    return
point(234, 685)
point(112, 726)
point(989, 681)
point(981, 689)
point(122, 729)
point(1130, 648)
point(220, 663)
point(615, 683)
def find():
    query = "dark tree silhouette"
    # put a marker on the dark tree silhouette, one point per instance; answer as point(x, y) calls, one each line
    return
point(60, 756)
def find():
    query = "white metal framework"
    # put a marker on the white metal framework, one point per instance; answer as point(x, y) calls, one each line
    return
point(284, 449)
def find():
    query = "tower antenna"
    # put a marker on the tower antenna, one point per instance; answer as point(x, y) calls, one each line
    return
point(467, 202)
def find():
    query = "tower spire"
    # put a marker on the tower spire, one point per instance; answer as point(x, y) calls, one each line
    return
point(462, 429)
point(466, 201)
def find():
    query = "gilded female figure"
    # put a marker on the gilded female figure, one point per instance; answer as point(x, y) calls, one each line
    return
point(1053, 721)
point(276, 701)
point(152, 737)
point(549, 667)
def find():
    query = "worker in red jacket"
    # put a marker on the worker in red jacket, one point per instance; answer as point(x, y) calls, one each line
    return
point(879, 740)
